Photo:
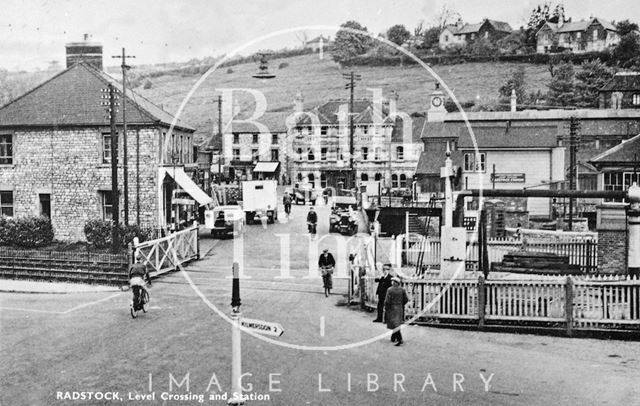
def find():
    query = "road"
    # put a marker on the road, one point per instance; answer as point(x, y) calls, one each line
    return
point(54, 346)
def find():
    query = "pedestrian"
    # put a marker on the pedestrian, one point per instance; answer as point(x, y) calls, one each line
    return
point(312, 221)
point(384, 283)
point(286, 201)
point(394, 309)
point(326, 263)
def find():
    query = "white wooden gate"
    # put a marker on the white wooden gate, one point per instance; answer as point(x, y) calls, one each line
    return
point(165, 254)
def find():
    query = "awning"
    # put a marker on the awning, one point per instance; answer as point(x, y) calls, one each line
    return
point(189, 186)
point(267, 167)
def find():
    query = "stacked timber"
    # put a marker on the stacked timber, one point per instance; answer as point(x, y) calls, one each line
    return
point(535, 263)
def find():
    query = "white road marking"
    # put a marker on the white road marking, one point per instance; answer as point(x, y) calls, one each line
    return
point(321, 326)
point(22, 309)
point(92, 303)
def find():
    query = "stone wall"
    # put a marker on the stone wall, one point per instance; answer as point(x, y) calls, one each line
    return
point(612, 252)
point(68, 165)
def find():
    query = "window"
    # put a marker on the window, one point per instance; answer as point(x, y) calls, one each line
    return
point(254, 155)
point(365, 153)
point(471, 164)
point(275, 156)
point(45, 204)
point(255, 139)
point(578, 35)
point(403, 180)
point(312, 180)
point(323, 130)
point(323, 154)
point(339, 154)
point(636, 99)
point(310, 155)
point(595, 34)
point(299, 177)
point(394, 181)
point(299, 153)
point(106, 148)
point(400, 153)
point(378, 177)
point(486, 34)
point(107, 205)
point(364, 177)
point(236, 154)
point(323, 180)
point(365, 130)
point(274, 139)
point(378, 153)
point(6, 203)
point(6, 149)
point(236, 138)
point(446, 38)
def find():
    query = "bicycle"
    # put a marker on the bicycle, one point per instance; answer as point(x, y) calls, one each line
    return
point(142, 302)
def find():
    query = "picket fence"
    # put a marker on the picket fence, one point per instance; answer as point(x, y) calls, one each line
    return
point(573, 302)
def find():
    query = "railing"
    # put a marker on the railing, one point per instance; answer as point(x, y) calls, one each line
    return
point(582, 303)
point(166, 253)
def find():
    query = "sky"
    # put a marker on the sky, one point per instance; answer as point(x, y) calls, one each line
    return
point(33, 33)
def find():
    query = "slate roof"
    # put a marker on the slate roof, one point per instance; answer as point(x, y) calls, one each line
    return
point(329, 113)
point(474, 28)
point(74, 98)
point(623, 82)
point(432, 160)
point(510, 137)
point(469, 28)
point(627, 152)
point(581, 25)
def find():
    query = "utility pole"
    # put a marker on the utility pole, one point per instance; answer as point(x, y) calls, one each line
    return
point(115, 206)
point(352, 77)
point(125, 159)
point(219, 101)
point(574, 126)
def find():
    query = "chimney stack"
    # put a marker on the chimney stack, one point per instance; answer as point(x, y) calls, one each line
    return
point(88, 51)
point(513, 100)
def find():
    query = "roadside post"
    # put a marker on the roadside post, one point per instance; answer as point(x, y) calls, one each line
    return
point(236, 349)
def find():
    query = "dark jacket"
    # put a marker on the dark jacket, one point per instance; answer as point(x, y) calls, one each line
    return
point(312, 217)
point(328, 261)
point(384, 284)
point(140, 270)
point(394, 306)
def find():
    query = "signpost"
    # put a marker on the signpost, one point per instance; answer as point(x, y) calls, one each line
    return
point(262, 327)
point(508, 177)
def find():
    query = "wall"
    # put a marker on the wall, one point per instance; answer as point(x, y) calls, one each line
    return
point(68, 165)
point(612, 238)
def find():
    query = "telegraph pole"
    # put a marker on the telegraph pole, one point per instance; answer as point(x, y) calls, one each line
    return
point(220, 136)
point(574, 126)
point(352, 77)
point(125, 167)
point(115, 206)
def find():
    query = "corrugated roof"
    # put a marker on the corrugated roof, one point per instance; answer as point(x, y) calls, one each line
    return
point(74, 97)
point(626, 152)
point(510, 137)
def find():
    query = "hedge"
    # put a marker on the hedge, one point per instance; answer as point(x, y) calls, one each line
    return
point(26, 232)
point(98, 233)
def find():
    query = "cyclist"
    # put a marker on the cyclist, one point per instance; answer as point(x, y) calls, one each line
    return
point(312, 221)
point(137, 275)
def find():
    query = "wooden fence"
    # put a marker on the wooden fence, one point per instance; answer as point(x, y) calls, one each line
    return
point(583, 253)
point(165, 254)
point(71, 266)
point(568, 303)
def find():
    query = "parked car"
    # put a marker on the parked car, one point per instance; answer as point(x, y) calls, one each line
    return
point(303, 193)
point(342, 219)
point(225, 220)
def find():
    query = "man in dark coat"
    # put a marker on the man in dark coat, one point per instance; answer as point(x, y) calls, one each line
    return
point(312, 220)
point(394, 309)
point(326, 263)
point(384, 283)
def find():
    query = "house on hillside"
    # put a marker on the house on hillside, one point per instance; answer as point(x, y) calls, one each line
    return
point(622, 92)
point(463, 34)
point(55, 154)
point(318, 42)
point(383, 150)
point(591, 35)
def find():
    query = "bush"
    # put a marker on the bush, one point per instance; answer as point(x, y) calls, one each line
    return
point(26, 232)
point(229, 70)
point(147, 84)
point(283, 65)
point(98, 233)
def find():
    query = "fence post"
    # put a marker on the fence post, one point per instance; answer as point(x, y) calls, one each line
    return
point(197, 231)
point(482, 300)
point(568, 306)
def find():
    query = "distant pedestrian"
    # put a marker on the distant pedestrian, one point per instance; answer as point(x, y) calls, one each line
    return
point(384, 283)
point(394, 309)
point(326, 263)
point(312, 221)
point(286, 201)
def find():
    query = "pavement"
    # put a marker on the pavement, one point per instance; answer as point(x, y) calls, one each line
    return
point(22, 286)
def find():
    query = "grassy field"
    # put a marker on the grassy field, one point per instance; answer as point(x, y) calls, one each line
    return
point(321, 79)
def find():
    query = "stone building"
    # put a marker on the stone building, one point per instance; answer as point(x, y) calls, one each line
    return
point(595, 34)
point(463, 34)
point(621, 92)
point(55, 154)
point(383, 150)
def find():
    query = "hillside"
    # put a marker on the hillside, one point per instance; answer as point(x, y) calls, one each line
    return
point(321, 79)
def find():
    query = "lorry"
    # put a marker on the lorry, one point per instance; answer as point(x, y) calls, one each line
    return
point(260, 200)
point(303, 193)
point(224, 221)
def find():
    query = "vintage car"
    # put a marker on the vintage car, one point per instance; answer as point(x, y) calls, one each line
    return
point(343, 219)
point(303, 193)
point(225, 220)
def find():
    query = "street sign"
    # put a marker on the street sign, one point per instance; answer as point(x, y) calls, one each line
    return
point(508, 177)
point(183, 201)
point(262, 327)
